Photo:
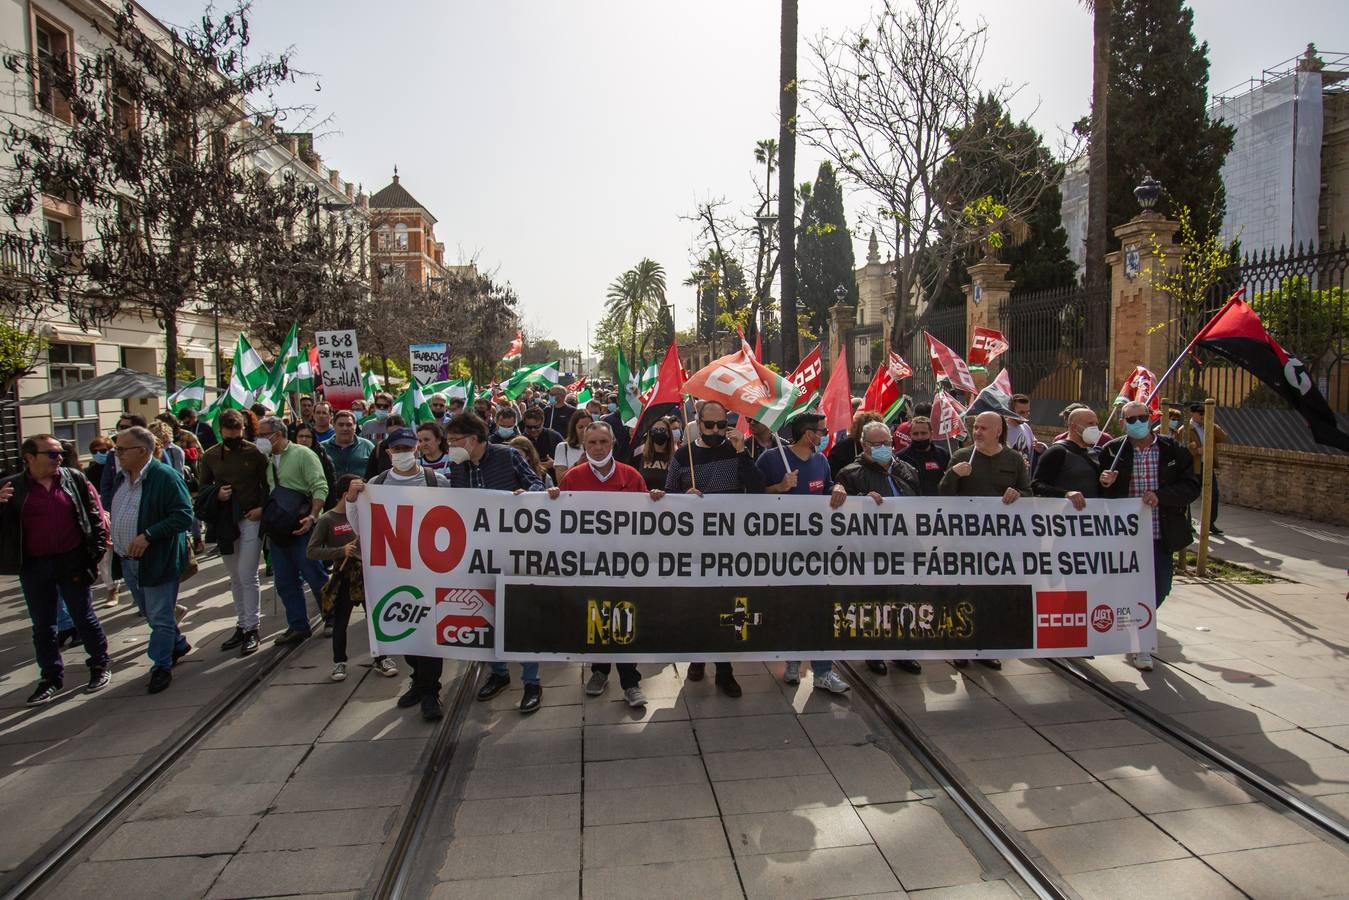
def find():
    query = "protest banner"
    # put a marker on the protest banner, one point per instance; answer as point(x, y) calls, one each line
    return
point(427, 362)
point(488, 575)
point(340, 367)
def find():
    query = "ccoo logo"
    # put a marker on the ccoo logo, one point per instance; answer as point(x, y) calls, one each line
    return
point(1061, 619)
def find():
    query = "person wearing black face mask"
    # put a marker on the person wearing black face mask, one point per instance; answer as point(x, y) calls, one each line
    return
point(930, 459)
point(653, 459)
point(236, 471)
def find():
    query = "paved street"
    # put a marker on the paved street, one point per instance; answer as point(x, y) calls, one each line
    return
point(785, 792)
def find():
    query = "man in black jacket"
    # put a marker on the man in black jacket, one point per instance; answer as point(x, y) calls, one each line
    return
point(1159, 471)
point(52, 536)
point(928, 459)
point(1071, 467)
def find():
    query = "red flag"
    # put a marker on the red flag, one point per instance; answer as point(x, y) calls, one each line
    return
point(884, 393)
point(947, 415)
point(946, 363)
point(665, 396)
point(314, 364)
point(1237, 334)
point(745, 387)
point(807, 377)
point(575, 387)
point(758, 345)
point(516, 349)
point(986, 346)
point(1140, 386)
point(836, 401)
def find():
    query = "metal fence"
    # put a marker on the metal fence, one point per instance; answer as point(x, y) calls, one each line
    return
point(947, 326)
point(1299, 294)
point(1060, 347)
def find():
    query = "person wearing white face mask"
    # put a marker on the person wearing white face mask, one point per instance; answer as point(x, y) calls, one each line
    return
point(1071, 467)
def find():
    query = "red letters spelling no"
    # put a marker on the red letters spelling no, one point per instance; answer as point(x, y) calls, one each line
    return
point(395, 538)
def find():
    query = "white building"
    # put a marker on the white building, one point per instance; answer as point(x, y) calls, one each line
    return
point(132, 340)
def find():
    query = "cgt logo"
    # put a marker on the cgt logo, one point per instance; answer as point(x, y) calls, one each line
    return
point(394, 610)
point(1060, 619)
point(464, 617)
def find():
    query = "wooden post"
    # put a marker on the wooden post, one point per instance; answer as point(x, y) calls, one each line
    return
point(1206, 495)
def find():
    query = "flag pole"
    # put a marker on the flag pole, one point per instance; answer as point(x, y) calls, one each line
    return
point(1172, 368)
point(688, 441)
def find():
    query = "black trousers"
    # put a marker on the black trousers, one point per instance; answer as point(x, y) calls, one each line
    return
point(426, 671)
point(628, 676)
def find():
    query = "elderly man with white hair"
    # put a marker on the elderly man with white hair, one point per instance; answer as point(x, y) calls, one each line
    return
point(1159, 471)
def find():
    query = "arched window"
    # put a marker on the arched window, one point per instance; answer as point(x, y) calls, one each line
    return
point(384, 241)
point(400, 236)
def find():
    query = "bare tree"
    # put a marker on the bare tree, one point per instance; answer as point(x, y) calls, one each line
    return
point(888, 103)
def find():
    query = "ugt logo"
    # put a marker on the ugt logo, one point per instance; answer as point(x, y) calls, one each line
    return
point(1060, 619)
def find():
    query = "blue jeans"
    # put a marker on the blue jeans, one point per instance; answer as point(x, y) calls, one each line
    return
point(529, 672)
point(1163, 568)
point(63, 620)
point(821, 667)
point(45, 579)
point(291, 569)
point(157, 602)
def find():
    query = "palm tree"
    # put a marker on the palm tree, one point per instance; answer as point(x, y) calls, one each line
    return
point(639, 295)
point(1097, 165)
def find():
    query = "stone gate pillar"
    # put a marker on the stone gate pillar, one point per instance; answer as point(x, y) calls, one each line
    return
point(1138, 305)
point(986, 299)
point(842, 316)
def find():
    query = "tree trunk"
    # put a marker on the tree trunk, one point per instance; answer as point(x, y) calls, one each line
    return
point(787, 184)
point(898, 337)
point(1097, 160)
point(171, 350)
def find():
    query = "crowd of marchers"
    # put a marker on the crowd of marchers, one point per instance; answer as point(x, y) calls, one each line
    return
point(273, 494)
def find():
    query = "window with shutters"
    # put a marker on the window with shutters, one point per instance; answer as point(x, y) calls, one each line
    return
point(53, 50)
point(74, 420)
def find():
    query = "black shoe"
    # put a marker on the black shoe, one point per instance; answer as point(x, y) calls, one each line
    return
point(99, 678)
point(432, 708)
point(250, 644)
point(410, 698)
point(912, 666)
point(179, 654)
point(291, 636)
point(995, 664)
point(494, 685)
point(67, 638)
point(159, 680)
point(46, 692)
point(532, 699)
point(1214, 529)
point(878, 666)
point(235, 639)
point(728, 685)
point(960, 663)
point(696, 671)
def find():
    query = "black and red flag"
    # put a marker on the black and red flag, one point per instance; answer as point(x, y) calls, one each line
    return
point(1237, 334)
point(666, 396)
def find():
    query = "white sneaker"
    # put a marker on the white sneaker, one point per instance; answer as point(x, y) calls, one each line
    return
point(339, 672)
point(385, 666)
point(1140, 661)
point(596, 684)
point(636, 699)
point(832, 683)
point(793, 673)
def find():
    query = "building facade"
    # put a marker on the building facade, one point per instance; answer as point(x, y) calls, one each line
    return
point(58, 29)
point(403, 245)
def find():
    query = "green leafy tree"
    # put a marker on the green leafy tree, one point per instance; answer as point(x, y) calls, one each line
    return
point(1158, 114)
point(824, 254)
point(637, 297)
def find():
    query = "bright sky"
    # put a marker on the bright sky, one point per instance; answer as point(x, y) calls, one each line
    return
point(560, 141)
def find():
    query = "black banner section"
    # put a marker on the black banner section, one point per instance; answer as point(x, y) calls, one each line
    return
point(589, 619)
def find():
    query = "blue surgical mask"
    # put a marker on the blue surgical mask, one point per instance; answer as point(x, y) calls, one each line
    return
point(381, 414)
point(882, 455)
point(552, 401)
point(505, 432)
point(101, 457)
point(1138, 430)
point(612, 407)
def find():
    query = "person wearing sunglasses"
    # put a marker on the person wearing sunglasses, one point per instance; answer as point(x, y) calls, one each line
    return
point(1159, 471)
point(52, 535)
point(711, 463)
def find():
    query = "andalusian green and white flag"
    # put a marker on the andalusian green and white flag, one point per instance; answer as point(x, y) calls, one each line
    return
point(585, 396)
point(455, 387)
point(629, 407)
point(210, 414)
point(368, 386)
point(249, 377)
point(412, 405)
point(285, 369)
point(541, 373)
point(304, 374)
point(190, 396)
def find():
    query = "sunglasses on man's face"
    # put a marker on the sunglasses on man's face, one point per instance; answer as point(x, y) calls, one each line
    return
point(708, 425)
point(53, 455)
point(1132, 419)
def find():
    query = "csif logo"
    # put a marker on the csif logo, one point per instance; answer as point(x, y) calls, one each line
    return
point(392, 611)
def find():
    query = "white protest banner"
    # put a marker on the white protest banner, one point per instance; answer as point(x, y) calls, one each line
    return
point(485, 574)
point(339, 364)
point(428, 361)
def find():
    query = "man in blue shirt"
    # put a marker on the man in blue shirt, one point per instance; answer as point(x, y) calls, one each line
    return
point(799, 468)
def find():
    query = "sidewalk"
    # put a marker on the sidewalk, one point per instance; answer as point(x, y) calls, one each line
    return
point(1311, 553)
